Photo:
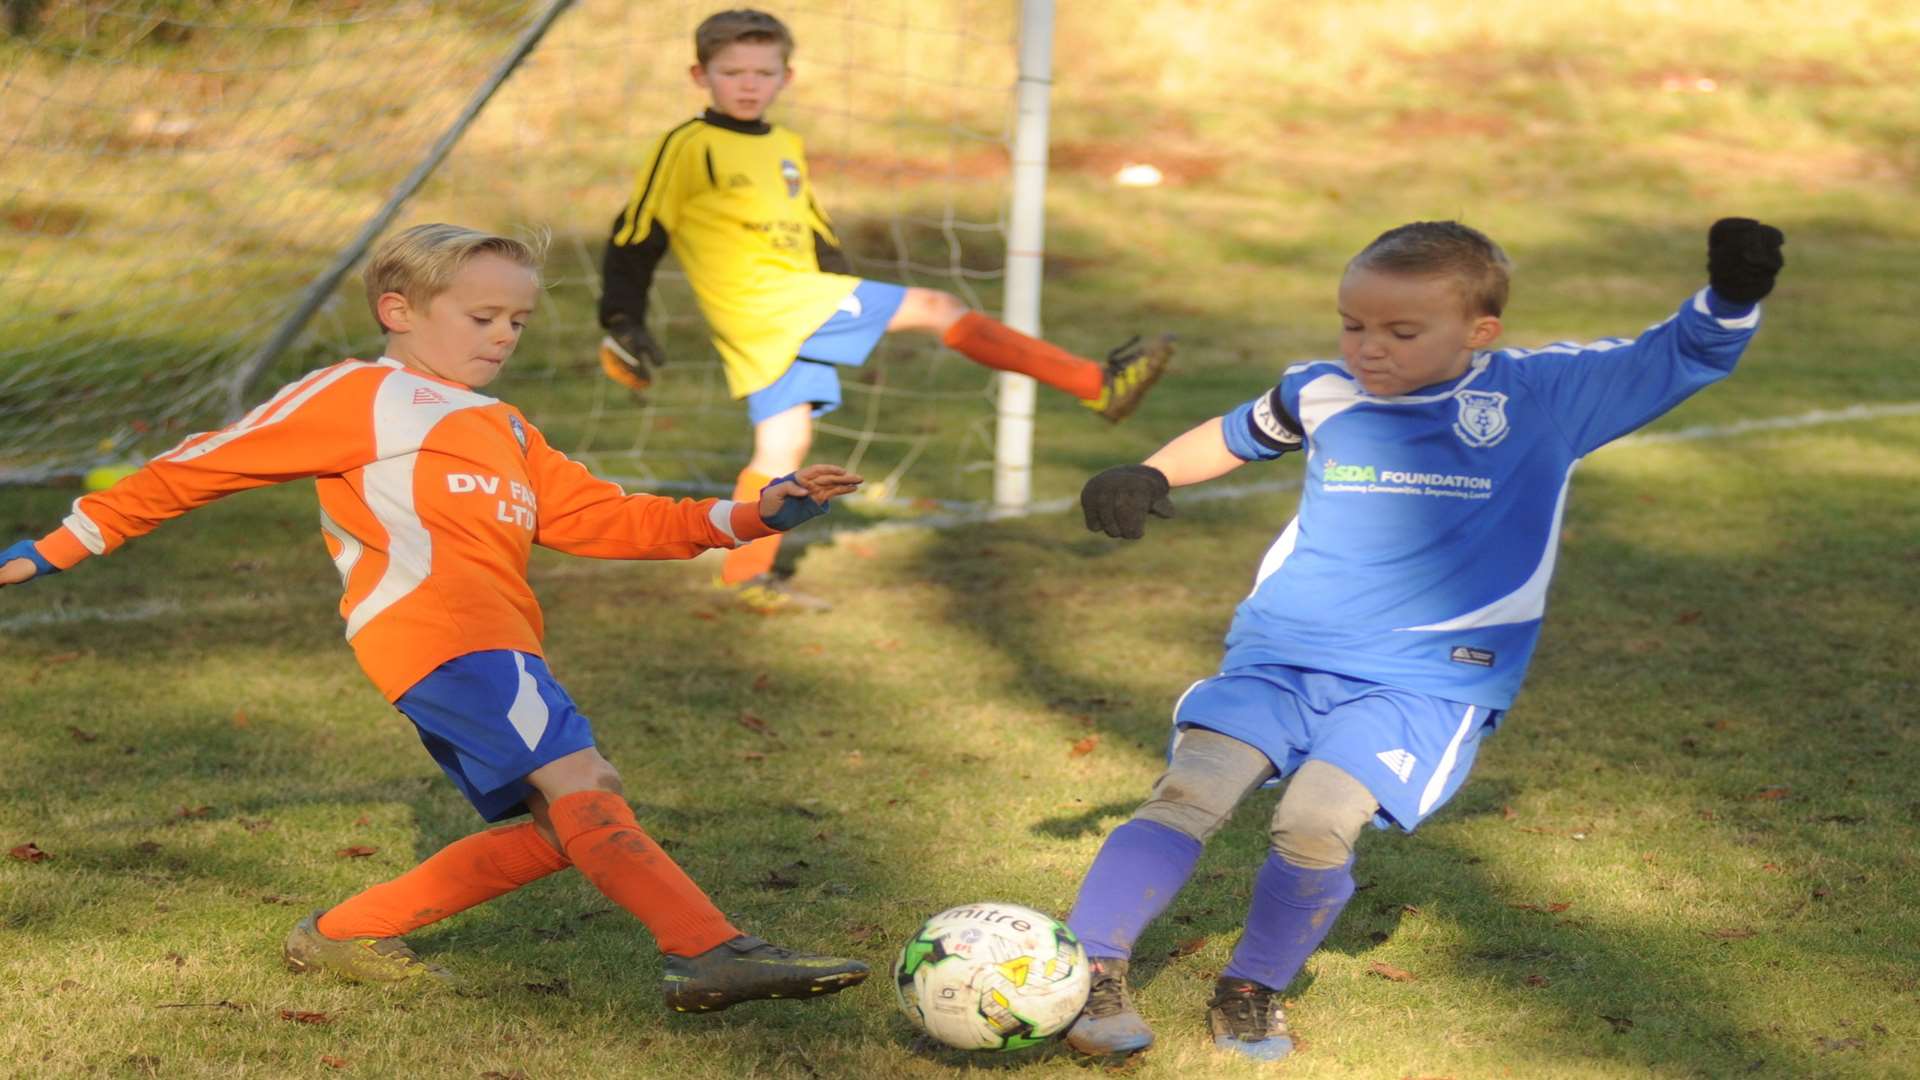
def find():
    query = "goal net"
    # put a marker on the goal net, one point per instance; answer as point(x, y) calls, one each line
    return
point(180, 175)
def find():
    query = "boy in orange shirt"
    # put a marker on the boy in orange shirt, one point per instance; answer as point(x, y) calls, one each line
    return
point(731, 196)
point(431, 497)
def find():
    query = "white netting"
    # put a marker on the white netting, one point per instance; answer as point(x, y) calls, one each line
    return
point(177, 173)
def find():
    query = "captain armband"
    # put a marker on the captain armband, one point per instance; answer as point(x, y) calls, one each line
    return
point(1272, 426)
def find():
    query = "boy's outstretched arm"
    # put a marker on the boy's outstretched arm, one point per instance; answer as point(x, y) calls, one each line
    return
point(22, 563)
point(1602, 390)
point(581, 514)
point(1117, 501)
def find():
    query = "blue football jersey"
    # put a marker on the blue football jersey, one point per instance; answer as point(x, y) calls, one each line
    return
point(1428, 522)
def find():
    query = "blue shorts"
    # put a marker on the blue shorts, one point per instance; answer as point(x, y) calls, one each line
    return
point(845, 339)
point(490, 718)
point(1412, 751)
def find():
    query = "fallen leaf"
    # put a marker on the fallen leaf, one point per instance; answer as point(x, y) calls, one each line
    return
point(193, 811)
point(29, 852)
point(332, 1062)
point(705, 615)
point(493, 1074)
point(556, 988)
point(1535, 981)
point(1687, 618)
point(754, 755)
point(1771, 868)
point(1388, 971)
point(1822, 893)
point(1084, 746)
point(1830, 1046)
point(271, 898)
point(299, 1017)
point(813, 648)
point(1708, 815)
point(362, 820)
point(1621, 1024)
point(81, 736)
point(178, 960)
point(860, 934)
point(761, 680)
point(776, 880)
point(1731, 933)
point(240, 719)
point(256, 825)
point(753, 723)
point(863, 551)
point(1780, 792)
point(357, 851)
point(1508, 813)
point(1188, 947)
point(1559, 906)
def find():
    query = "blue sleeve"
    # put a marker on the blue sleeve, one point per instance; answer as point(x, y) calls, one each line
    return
point(1601, 391)
point(1262, 429)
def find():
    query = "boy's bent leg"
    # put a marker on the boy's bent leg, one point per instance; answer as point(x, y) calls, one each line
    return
point(710, 964)
point(1141, 867)
point(469, 871)
point(1299, 894)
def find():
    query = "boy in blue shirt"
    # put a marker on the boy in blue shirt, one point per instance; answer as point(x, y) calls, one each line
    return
point(1392, 621)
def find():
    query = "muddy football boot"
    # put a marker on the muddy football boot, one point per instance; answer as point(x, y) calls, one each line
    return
point(765, 594)
point(748, 969)
point(363, 960)
point(1109, 1024)
point(1246, 1018)
point(1131, 371)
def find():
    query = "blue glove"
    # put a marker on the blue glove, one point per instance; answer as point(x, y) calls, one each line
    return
point(25, 550)
point(794, 511)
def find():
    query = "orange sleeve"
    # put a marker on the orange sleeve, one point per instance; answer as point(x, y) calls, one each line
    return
point(581, 514)
point(318, 425)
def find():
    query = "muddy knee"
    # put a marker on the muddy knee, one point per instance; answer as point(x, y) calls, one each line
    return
point(1208, 776)
point(1320, 817)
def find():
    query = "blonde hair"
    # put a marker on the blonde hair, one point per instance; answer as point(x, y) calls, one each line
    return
point(420, 263)
point(724, 28)
point(1479, 269)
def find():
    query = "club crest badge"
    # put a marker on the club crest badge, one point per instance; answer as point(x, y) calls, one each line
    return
point(1483, 417)
point(519, 432)
point(791, 174)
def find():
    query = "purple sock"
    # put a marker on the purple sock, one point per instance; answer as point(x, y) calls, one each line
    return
point(1292, 910)
point(1133, 879)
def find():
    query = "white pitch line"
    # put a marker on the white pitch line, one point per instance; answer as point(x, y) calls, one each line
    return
point(980, 513)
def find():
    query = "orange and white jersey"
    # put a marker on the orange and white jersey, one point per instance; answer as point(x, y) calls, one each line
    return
point(431, 498)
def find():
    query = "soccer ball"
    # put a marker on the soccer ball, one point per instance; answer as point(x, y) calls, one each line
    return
point(992, 977)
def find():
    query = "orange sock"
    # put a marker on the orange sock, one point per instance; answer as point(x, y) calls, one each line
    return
point(996, 345)
point(600, 835)
point(469, 871)
point(755, 557)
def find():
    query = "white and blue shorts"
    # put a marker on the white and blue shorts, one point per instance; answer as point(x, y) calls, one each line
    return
point(1411, 750)
point(490, 718)
point(846, 339)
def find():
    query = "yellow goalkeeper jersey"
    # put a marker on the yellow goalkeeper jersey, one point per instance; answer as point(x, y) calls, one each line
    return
point(733, 202)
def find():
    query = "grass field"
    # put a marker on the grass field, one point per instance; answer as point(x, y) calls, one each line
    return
point(1690, 852)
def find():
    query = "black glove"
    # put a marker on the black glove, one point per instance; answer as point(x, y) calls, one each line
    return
point(1118, 500)
point(629, 355)
point(1742, 258)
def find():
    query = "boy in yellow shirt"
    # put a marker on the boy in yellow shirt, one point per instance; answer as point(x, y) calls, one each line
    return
point(729, 194)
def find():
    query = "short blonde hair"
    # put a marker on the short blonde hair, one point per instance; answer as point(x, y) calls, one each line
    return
point(1479, 269)
point(724, 28)
point(420, 263)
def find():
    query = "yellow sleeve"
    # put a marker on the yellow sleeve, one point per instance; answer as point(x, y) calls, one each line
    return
point(661, 187)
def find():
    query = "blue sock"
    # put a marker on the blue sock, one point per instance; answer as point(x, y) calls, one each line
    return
point(1133, 879)
point(1292, 910)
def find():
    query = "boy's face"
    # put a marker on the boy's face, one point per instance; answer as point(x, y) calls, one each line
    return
point(744, 78)
point(466, 333)
point(1400, 333)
